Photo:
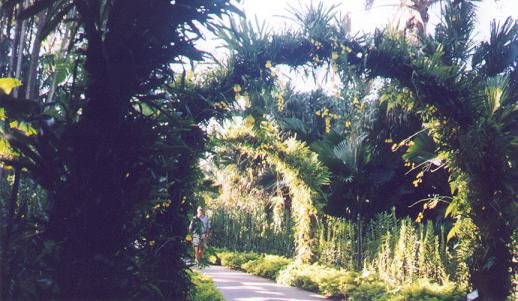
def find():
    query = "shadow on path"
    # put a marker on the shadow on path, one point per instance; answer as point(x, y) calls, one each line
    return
point(238, 286)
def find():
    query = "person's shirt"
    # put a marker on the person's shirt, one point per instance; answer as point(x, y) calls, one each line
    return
point(206, 223)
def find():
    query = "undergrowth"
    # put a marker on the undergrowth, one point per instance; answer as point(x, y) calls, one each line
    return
point(334, 282)
point(203, 288)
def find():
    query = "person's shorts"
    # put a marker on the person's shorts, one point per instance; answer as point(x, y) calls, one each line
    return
point(198, 241)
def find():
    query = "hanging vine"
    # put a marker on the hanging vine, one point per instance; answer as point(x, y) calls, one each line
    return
point(299, 168)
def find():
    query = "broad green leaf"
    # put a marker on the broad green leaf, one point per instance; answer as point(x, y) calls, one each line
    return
point(145, 109)
point(422, 149)
point(5, 149)
point(8, 84)
point(24, 127)
point(63, 70)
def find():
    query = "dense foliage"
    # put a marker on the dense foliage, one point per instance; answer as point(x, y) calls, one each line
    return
point(111, 133)
point(103, 122)
point(397, 250)
point(347, 285)
point(463, 95)
point(203, 289)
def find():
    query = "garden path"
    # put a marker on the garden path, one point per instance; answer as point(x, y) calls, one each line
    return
point(238, 286)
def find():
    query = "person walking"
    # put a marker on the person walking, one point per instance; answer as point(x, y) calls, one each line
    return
point(200, 229)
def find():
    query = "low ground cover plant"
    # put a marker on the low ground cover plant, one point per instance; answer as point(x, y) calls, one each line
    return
point(267, 266)
point(235, 260)
point(334, 282)
point(203, 288)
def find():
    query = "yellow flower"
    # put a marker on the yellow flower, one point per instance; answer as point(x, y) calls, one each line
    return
point(419, 218)
point(188, 237)
point(389, 140)
point(328, 125)
point(280, 103)
point(325, 112)
point(249, 120)
point(248, 102)
point(237, 88)
point(334, 55)
point(268, 64)
point(345, 49)
point(347, 124)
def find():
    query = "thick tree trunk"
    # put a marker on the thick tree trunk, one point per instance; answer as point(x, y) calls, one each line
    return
point(90, 210)
point(6, 239)
point(490, 201)
point(491, 269)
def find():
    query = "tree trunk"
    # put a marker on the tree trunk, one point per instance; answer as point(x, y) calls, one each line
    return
point(30, 92)
point(19, 55)
point(91, 206)
point(490, 271)
point(68, 36)
point(359, 240)
point(4, 258)
point(14, 48)
point(491, 202)
point(6, 22)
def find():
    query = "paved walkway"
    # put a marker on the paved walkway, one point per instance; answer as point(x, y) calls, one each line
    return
point(238, 286)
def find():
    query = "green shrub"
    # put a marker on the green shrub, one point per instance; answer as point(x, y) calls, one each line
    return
point(337, 286)
point(213, 255)
point(214, 259)
point(317, 278)
point(235, 260)
point(426, 291)
point(203, 288)
point(334, 282)
point(369, 288)
point(267, 266)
